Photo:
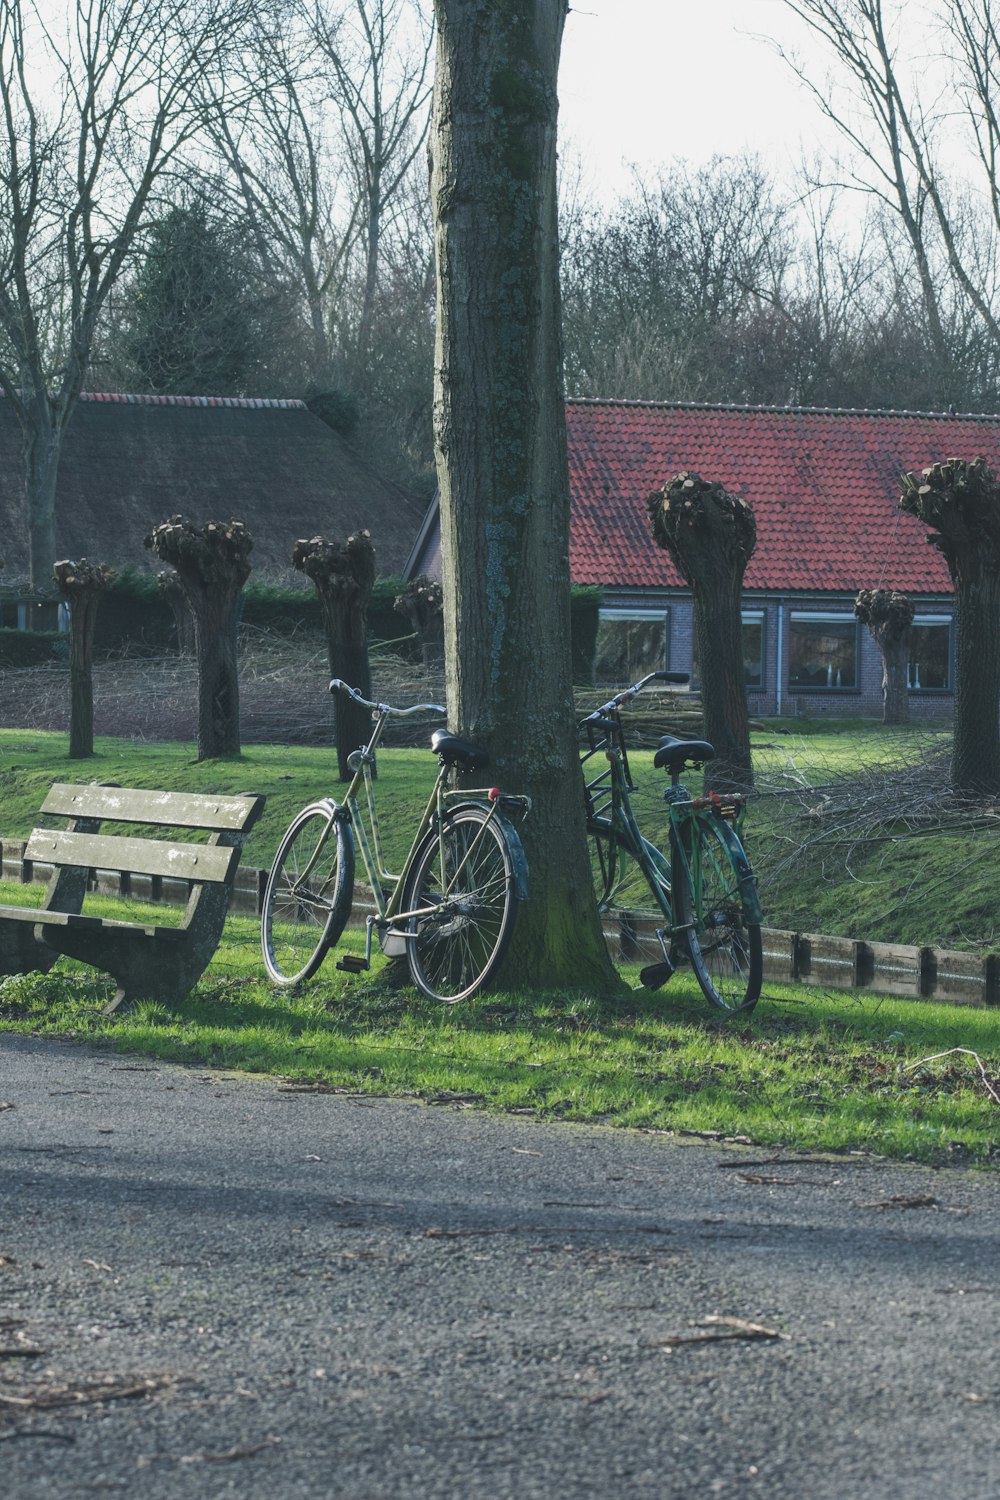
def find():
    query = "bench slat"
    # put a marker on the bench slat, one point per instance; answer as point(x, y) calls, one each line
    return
point(200, 862)
point(172, 809)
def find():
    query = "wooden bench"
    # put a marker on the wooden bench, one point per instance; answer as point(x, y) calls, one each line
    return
point(147, 961)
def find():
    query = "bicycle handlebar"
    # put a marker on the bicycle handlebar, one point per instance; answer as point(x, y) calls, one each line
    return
point(337, 686)
point(613, 704)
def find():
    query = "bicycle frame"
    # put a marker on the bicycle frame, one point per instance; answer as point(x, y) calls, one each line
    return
point(387, 888)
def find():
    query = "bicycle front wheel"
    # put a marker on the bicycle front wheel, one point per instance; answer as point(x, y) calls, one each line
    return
point(633, 907)
point(724, 945)
point(463, 895)
point(307, 899)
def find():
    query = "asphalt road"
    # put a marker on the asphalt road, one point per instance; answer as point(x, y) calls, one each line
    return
point(217, 1285)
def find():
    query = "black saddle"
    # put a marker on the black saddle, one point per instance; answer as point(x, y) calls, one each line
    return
point(457, 752)
point(676, 754)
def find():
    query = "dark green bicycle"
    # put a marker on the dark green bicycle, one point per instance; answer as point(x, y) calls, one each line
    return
point(692, 900)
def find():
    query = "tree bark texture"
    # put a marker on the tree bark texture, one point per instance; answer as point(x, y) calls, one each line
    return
point(41, 466)
point(344, 574)
point(83, 586)
point(710, 536)
point(889, 615)
point(213, 564)
point(500, 441)
point(960, 502)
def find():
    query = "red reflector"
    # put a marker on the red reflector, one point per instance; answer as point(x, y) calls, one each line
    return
point(494, 794)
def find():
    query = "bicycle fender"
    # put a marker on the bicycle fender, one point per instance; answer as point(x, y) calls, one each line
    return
point(745, 877)
point(515, 848)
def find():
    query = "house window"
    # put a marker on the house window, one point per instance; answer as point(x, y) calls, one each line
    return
point(822, 652)
point(753, 651)
point(630, 643)
point(930, 653)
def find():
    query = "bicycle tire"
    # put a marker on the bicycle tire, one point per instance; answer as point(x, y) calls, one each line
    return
point(632, 908)
point(300, 922)
point(454, 949)
point(724, 947)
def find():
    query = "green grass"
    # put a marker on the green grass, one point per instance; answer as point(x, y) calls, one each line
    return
point(811, 1070)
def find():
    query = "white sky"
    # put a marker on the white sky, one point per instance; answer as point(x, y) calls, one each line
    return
point(645, 81)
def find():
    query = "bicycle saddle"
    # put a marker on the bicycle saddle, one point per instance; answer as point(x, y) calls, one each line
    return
point(676, 754)
point(457, 752)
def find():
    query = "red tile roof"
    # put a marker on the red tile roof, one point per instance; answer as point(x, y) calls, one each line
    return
point(824, 485)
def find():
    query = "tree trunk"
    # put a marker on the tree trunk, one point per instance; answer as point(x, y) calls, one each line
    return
point(212, 563)
point(895, 689)
point(82, 585)
point(500, 444)
point(41, 466)
point(960, 500)
point(975, 761)
point(344, 575)
point(718, 623)
point(711, 535)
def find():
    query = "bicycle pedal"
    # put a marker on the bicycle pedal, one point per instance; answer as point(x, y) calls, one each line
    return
point(655, 975)
point(353, 963)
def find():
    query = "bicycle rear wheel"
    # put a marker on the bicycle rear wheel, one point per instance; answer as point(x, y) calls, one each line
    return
point(633, 908)
point(307, 899)
point(723, 942)
point(471, 902)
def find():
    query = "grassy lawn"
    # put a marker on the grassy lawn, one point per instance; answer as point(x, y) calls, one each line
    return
point(810, 1070)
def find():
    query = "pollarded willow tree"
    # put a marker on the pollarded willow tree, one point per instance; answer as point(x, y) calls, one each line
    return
point(344, 573)
point(213, 564)
point(960, 501)
point(500, 442)
point(422, 604)
point(710, 536)
point(83, 585)
point(889, 616)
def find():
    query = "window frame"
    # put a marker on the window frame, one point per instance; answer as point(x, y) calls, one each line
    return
point(824, 617)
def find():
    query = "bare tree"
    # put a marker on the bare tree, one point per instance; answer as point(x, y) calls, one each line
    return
point(344, 574)
point(899, 118)
point(889, 616)
point(710, 536)
point(332, 115)
point(91, 117)
point(83, 585)
point(960, 502)
point(501, 455)
point(213, 564)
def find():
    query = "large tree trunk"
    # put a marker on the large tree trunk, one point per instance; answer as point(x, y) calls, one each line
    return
point(501, 455)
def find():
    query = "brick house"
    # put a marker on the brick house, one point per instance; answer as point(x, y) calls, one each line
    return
point(824, 485)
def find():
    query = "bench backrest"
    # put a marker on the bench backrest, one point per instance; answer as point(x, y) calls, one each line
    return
point(227, 819)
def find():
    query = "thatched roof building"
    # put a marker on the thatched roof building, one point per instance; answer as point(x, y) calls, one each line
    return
point(129, 462)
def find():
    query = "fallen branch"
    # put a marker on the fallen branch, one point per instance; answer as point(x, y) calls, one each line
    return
point(966, 1052)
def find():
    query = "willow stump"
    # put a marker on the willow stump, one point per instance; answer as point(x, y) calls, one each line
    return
point(422, 605)
point(344, 574)
point(710, 536)
point(212, 563)
point(889, 616)
point(83, 585)
point(960, 502)
point(172, 590)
